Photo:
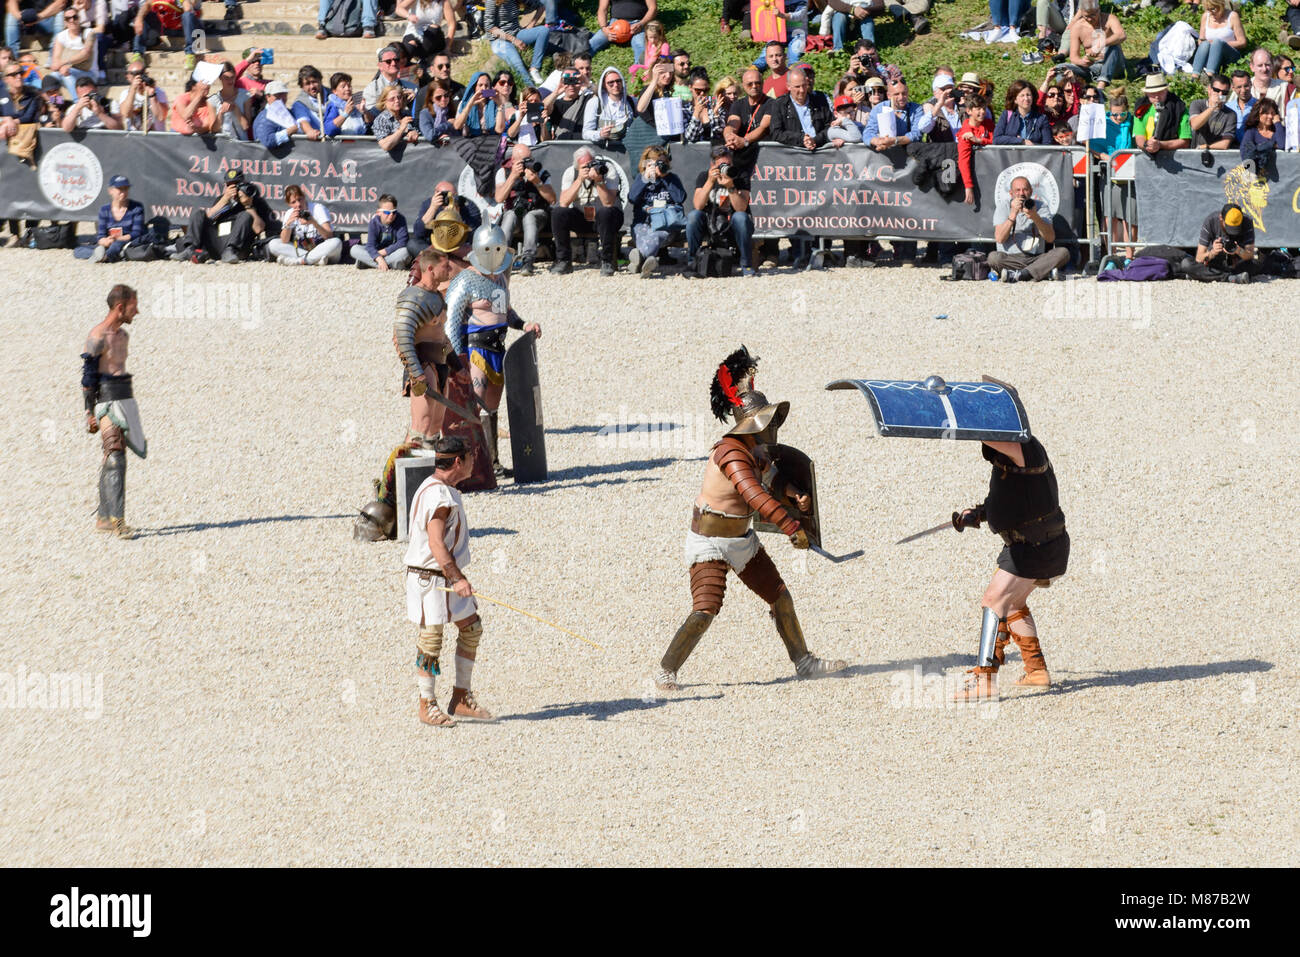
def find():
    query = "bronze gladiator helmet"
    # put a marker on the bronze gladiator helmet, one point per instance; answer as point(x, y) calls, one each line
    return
point(448, 231)
point(758, 417)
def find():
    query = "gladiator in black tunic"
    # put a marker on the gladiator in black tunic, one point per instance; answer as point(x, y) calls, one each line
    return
point(1024, 508)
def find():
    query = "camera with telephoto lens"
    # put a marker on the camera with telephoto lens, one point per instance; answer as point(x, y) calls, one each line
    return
point(725, 169)
point(600, 166)
point(1027, 203)
point(1229, 245)
point(147, 80)
point(249, 190)
point(532, 164)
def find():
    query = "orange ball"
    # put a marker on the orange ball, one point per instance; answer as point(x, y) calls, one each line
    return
point(621, 30)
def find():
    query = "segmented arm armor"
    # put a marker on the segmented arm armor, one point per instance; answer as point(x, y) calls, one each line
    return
point(738, 465)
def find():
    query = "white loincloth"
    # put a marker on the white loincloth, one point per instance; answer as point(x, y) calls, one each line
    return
point(736, 552)
point(125, 414)
point(426, 605)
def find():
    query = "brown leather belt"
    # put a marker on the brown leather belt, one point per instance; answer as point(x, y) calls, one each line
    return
point(718, 526)
point(426, 574)
point(1039, 531)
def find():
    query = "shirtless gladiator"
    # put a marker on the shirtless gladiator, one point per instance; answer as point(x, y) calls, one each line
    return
point(110, 406)
point(720, 535)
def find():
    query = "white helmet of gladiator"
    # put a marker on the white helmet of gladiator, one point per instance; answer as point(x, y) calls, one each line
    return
point(490, 255)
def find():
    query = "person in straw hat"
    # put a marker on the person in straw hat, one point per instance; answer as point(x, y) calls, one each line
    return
point(720, 536)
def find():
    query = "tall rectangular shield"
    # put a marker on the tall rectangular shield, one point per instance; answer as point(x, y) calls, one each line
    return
point(524, 409)
point(988, 410)
point(800, 472)
point(412, 470)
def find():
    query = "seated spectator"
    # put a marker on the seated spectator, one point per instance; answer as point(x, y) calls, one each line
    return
point(39, 16)
point(1160, 120)
point(1265, 135)
point(638, 14)
point(798, 118)
point(1214, 125)
point(394, 126)
point(1095, 43)
point(656, 48)
point(976, 132)
point(1222, 38)
point(436, 116)
point(844, 128)
point(191, 113)
point(228, 104)
point(720, 212)
point(1290, 34)
point(1284, 73)
point(588, 203)
point(19, 103)
point(306, 236)
point(508, 38)
point(1022, 238)
point(1021, 123)
point(503, 84)
point(230, 227)
point(369, 17)
point(440, 69)
point(844, 14)
point(774, 61)
point(142, 98)
point(121, 222)
point(114, 24)
point(682, 71)
point(73, 52)
point(444, 196)
point(309, 105)
point(391, 60)
point(478, 112)
point(154, 18)
point(90, 110)
point(343, 113)
point(248, 71)
point(386, 239)
point(528, 125)
point(275, 125)
point(657, 197)
point(1227, 245)
point(909, 121)
point(1050, 17)
point(523, 190)
point(609, 112)
point(1003, 25)
point(430, 26)
point(566, 108)
point(55, 100)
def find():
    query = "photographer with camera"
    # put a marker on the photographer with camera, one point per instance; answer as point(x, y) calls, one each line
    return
point(306, 236)
point(444, 197)
point(522, 189)
point(230, 227)
point(588, 200)
point(721, 213)
point(566, 107)
point(1022, 239)
point(1226, 247)
point(89, 111)
point(657, 197)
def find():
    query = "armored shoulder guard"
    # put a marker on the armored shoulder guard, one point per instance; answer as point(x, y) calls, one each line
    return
point(416, 308)
point(738, 465)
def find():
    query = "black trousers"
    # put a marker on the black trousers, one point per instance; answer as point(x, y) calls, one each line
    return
point(736, 10)
point(202, 234)
point(1293, 18)
point(566, 220)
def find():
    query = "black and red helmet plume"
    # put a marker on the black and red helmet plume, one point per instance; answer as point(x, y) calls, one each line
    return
point(733, 378)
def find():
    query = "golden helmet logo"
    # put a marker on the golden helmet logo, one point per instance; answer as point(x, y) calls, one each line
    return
point(1244, 186)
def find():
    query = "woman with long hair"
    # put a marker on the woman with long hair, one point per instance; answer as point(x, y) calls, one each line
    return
point(1021, 123)
point(1222, 38)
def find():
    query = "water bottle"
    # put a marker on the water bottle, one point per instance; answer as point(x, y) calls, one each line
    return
point(993, 276)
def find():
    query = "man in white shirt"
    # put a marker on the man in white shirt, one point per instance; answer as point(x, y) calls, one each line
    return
point(435, 558)
point(1023, 237)
point(142, 99)
point(391, 59)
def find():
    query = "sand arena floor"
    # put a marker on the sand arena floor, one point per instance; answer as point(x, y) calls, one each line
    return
point(255, 702)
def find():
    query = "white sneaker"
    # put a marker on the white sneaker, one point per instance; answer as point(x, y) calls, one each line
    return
point(1010, 35)
point(634, 261)
point(290, 261)
point(98, 253)
point(536, 74)
point(991, 36)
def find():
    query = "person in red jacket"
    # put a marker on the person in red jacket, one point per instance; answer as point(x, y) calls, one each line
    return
point(976, 131)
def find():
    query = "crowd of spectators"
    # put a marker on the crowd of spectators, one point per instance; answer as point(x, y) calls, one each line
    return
point(411, 97)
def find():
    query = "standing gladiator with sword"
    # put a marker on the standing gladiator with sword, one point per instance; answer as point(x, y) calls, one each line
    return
point(1024, 508)
point(720, 536)
point(110, 407)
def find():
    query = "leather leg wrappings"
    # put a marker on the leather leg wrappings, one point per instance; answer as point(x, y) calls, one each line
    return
point(112, 485)
point(684, 642)
point(1031, 652)
point(708, 586)
point(467, 639)
point(787, 626)
point(762, 578)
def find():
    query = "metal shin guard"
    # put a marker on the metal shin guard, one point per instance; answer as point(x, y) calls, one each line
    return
point(112, 485)
point(684, 642)
point(987, 657)
point(787, 626)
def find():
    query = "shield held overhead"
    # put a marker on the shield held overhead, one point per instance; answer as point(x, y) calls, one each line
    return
point(524, 409)
point(987, 411)
point(790, 473)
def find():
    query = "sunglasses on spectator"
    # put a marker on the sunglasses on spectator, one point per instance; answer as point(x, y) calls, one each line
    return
point(440, 96)
point(387, 212)
point(14, 73)
point(389, 59)
point(1286, 69)
point(1222, 91)
point(506, 80)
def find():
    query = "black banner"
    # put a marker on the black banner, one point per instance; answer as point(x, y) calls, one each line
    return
point(1175, 192)
point(852, 191)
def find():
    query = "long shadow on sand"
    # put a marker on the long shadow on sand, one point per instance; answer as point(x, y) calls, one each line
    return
point(931, 665)
point(1145, 676)
point(602, 710)
point(561, 478)
point(233, 523)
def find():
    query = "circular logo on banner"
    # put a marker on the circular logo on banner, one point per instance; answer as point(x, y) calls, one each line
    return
point(1043, 184)
point(71, 177)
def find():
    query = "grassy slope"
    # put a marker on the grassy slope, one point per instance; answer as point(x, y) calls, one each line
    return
point(693, 25)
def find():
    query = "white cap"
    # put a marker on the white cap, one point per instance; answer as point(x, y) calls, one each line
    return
point(275, 87)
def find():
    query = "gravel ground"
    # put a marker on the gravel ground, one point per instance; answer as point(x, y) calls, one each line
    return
point(257, 699)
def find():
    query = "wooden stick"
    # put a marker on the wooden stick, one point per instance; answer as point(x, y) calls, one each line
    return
point(498, 601)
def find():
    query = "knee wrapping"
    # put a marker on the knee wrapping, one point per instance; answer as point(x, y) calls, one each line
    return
point(112, 438)
point(430, 641)
point(467, 638)
point(708, 586)
point(761, 577)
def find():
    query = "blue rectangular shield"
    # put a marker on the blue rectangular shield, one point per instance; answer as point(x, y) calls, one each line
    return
point(934, 409)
